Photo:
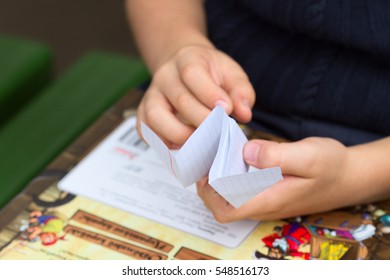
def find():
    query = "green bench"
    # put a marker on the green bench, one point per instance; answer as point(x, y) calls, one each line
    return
point(25, 68)
point(33, 137)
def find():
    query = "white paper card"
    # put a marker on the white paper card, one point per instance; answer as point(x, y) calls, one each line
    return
point(122, 171)
point(215, 150)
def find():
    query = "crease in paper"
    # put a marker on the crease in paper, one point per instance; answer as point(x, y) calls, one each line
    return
point(215, 150)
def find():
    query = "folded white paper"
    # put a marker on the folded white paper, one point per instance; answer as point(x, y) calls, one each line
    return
point(215, 149)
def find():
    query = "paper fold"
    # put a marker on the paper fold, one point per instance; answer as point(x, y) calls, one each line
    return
point(215, 150)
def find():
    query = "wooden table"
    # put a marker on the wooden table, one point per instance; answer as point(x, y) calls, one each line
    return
point(378, 247)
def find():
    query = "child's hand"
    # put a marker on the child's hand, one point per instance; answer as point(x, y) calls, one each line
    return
point(188, 86)
point(314, 170)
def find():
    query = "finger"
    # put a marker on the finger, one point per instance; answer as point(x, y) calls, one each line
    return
point(222, 211)
point(237, 85)
point(158, 114)
point(202, 81)
point(280, 201)
point(295, 158)
point(140, 118)
point(276, 202)
point(190, 109)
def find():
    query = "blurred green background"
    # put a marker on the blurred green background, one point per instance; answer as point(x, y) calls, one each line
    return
point(62, 64)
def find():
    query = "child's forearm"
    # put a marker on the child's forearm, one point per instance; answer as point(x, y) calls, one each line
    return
point(162, 27)
point(369, 170)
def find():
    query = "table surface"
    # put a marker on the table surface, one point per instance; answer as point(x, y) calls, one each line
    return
point(378, 247)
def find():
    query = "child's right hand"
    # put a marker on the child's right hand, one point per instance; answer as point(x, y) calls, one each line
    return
point(187, 86)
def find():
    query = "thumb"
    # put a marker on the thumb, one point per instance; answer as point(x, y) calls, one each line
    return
point(288, 156)
point(262, 153)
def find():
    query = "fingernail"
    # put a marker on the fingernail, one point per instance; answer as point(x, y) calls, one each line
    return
point(223, 104)
point(251, 150)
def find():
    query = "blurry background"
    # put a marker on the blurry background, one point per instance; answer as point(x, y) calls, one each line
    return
point(69, 27)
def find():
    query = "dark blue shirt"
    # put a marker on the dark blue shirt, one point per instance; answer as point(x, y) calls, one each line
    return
point(319, 67)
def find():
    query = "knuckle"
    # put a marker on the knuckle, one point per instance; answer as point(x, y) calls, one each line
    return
point(188, 71)
point(152, 116)
point(267, 156)
point(182, 101)
point(162, 73)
